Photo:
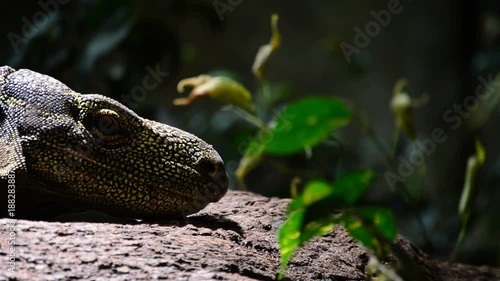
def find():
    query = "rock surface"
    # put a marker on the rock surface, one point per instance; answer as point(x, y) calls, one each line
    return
point(234, 239)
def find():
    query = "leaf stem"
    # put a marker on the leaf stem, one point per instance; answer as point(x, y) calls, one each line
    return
point(253, 119)
point(460, 238)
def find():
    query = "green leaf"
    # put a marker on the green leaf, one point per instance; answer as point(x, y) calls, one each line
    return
point(317, 228)
point(321, 198)
point(469, 193)
point(373, 226)
point(311, 214)
point(383, 221)
point(313, 192)
point(352, 185)
point(471, 184)
point(294, 234)
point(251, 158)
point(355, 226)
point(480, 152)
point(304, 124)
point(289, 238)
point(296, 231)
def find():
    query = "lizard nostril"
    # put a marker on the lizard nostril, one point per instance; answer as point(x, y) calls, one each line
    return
point(206, 167)
point(213, 169)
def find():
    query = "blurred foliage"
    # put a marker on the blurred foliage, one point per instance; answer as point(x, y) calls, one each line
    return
point(300, 126)
point(311, 215)
point(308, 122)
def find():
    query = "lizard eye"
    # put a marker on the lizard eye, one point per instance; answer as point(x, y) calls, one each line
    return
point(104, 123)
point(108, 128)
point(107, 124)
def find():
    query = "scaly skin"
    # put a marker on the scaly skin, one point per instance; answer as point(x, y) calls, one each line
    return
point(92, 151)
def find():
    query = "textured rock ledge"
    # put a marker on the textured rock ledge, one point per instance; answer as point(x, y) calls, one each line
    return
point(234, 239)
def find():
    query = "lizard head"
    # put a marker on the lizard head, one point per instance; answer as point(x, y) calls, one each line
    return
point(144, 165)
point(94, 150)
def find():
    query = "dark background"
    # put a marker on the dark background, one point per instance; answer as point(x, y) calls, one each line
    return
point(440, 46)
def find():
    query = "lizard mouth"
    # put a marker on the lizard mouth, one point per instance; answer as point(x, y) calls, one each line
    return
point(214, 184)
point(209, 182)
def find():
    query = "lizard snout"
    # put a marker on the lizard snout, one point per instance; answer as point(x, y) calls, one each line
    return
point(212, 170)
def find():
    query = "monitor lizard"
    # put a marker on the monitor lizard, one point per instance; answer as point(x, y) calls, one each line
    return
point(63, 148)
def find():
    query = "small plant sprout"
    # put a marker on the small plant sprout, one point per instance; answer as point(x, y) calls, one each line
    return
point(402, 106)
point(469, 193)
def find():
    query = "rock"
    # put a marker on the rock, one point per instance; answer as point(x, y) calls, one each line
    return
point(234, 239)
